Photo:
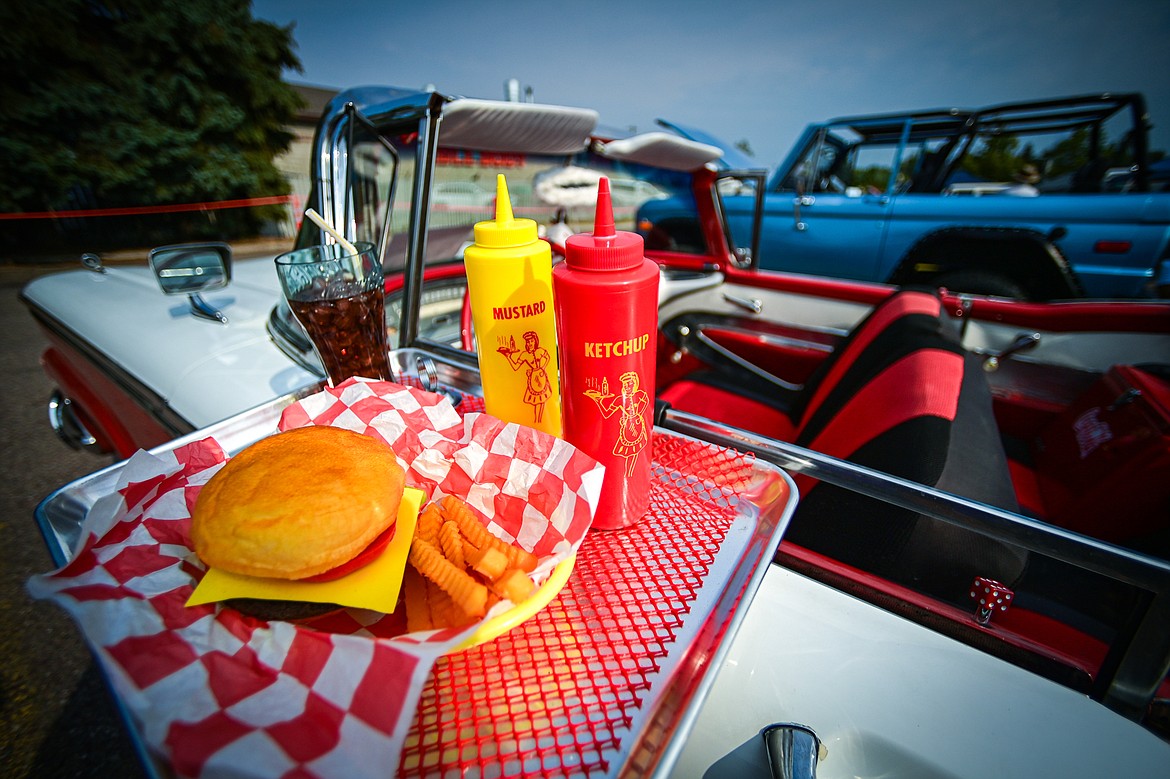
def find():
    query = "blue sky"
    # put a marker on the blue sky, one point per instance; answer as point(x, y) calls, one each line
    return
point(742, 69)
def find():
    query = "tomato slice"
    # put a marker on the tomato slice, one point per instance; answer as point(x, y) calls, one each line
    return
point(362, 558)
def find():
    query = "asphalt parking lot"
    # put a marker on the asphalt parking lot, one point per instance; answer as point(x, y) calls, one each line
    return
point(55, 715)
point(56, 718)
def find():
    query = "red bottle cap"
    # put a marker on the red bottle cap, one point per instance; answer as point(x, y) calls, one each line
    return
point(605, 248)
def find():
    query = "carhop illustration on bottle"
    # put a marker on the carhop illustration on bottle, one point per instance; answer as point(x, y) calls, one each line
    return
point(630, 406)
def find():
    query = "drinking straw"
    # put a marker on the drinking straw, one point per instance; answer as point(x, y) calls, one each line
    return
point(320, 222)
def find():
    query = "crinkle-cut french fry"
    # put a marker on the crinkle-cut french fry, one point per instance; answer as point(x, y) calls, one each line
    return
point(490, 563)
point(515, 585)
point(457, 511)
point(418, 610)
point(451, 543)
point(430, 519)
point(470, 550)
point(445, 612)
point(468, 594)
point(451, 554)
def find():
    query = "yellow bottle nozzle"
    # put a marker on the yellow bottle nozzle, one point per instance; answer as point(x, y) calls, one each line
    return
point(504, 231)
point(503, 202)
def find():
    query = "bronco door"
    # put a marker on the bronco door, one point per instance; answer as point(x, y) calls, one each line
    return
point(828, 215)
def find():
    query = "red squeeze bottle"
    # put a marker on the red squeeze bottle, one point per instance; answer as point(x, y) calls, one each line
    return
point(605, 295)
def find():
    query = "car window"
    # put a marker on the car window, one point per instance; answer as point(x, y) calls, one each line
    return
point(552, 190)
point(465, 187)
point(743, 187)
point(924, 163)
point(656, 203)
point(843, 161)
point(816, 166)
point(463, 193)
point(867, 169)
point(558, 192)
point(1073, 158)
point(372, 164)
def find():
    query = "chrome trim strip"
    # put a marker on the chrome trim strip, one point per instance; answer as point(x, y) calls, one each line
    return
point(772, 340)
point(746, 365)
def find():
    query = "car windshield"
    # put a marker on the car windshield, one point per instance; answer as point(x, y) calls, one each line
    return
point(373, 184)
point(556, 191)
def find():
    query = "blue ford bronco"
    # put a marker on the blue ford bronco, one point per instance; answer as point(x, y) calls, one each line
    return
point(1040, 200)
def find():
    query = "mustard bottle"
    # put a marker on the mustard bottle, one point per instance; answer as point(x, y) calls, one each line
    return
point(509, 281)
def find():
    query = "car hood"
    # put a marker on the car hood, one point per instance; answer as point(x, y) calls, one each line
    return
point(205, 371)
point(733, 158)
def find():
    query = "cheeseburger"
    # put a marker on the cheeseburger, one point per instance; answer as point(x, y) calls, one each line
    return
point(299, 504)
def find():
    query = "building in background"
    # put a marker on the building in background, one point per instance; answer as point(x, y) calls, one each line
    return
point(294, 163)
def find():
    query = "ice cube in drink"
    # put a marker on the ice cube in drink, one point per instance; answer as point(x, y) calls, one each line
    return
point(349, 333)
point(338, 299)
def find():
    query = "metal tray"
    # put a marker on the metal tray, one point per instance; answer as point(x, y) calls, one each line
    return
point(632, 643)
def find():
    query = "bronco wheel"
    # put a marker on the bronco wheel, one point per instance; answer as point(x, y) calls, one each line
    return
point(981, 282)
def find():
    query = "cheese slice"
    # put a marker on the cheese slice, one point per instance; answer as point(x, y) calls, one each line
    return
point(374, 586)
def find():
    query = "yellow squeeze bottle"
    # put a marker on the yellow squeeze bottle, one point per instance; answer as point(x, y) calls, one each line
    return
point(509, 280)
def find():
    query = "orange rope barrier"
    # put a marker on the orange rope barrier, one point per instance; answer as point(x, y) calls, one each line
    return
point(137, 210)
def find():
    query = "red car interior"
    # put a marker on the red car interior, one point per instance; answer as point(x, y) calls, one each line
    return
point(901, 395)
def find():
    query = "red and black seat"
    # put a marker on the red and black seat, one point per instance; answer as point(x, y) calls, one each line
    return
point(899, 395)
point(902, 396)
point(729, 394)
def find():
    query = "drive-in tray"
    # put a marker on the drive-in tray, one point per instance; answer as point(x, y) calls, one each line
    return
point(607, 679)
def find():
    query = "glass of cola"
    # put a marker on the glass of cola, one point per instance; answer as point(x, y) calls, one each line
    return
point(339, 299)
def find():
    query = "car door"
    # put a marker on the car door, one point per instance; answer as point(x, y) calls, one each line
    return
point(828, 216)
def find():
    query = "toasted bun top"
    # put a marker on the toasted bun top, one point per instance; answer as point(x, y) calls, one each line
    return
point(298, 503)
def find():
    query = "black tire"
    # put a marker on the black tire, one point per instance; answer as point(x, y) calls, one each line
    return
point(981, 282)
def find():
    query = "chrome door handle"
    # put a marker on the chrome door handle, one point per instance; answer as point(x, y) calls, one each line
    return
point(753, 305)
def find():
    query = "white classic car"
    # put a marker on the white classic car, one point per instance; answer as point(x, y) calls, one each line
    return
point(949, 556)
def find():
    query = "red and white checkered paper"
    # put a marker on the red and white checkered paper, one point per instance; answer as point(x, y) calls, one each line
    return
point(216, 693)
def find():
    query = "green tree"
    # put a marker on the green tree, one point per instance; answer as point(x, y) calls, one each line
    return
point(1071, 153)
point(138, 103)
point(997, 159)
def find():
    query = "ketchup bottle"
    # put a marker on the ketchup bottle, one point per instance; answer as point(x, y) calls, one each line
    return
point(606, 295)
point(509, 280)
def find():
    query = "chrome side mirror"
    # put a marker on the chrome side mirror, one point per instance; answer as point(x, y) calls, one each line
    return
point(189, 269)
point(793, 750)
point(92, 262)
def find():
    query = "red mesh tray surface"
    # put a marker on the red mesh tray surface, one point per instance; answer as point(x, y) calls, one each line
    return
point(601, 681)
